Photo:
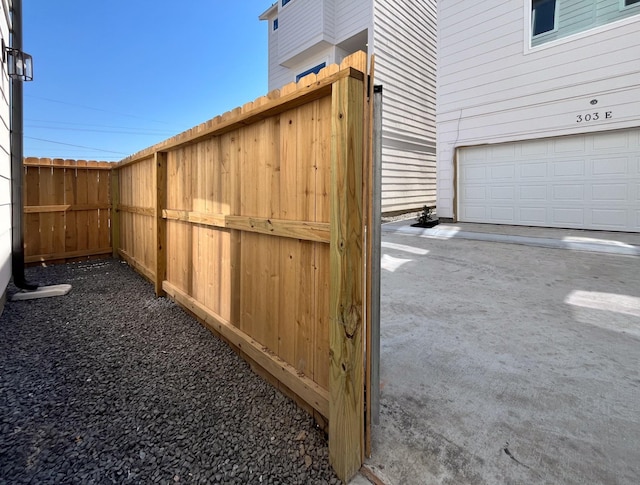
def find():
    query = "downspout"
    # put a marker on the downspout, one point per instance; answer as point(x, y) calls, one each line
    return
point(17, 241)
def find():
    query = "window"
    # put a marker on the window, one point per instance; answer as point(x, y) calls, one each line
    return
point(284, 2)
point(543, 16)
point(315, 70)
point(628, 3)
point(275, 24)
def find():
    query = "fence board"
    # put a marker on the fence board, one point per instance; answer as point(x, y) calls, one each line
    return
point(255, 241)
point(62, 221)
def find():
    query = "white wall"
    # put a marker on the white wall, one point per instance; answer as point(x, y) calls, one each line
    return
point(278, 75)
point(308, 33)
point(405, 50)
point(493, 87)
point(351, 17)
point(403, 38)
point(5, 162)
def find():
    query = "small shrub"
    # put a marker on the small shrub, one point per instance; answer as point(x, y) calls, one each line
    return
point(426, 215)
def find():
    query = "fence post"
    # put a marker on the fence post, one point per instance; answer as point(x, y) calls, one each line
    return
point(115, 212)
point(160, 230)
point(346, 372)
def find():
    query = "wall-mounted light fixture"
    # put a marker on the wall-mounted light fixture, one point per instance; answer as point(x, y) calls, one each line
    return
point(19, 64)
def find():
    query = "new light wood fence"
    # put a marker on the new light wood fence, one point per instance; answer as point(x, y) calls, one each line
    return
point(253, 221)
point(66, 209)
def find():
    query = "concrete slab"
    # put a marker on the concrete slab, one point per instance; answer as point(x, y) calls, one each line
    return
point(508, 363)
point(575, 239)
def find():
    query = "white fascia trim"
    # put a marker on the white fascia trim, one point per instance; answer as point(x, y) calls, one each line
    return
point(269, 12)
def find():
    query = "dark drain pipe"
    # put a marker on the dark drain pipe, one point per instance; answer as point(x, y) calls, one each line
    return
point(17, 239)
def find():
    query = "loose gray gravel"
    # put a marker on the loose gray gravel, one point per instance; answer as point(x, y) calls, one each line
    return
point(112, 385)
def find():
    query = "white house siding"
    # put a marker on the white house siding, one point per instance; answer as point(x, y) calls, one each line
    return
point(308, 33)
point(403, 39)
point(405, 49)
point(302, 27)
point(493, 88)
point(278, 75)
point(351, 18)
point(5, 162)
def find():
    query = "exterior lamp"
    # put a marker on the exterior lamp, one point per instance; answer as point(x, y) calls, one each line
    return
point(19, 64)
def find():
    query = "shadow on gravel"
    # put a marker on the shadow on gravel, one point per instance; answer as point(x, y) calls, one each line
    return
point(112, 385)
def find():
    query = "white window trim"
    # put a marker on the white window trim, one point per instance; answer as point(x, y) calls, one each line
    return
point(529, 49)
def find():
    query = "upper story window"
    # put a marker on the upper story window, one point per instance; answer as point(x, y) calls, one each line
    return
point(275, 24)
point(543, 16)
point(314, 69)
point(284, 2)
point(556, 19)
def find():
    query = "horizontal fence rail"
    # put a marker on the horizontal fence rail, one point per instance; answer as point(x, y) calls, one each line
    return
point(254, 222)
point(67, 209)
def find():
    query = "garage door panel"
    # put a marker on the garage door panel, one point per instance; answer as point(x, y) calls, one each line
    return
point(569, 168)
point(475, 193)
point(609, 192)
point(611, 166)
point(533, 192)
point(475, 212)
point(569, 144)
point(568, 192)
point(503, 215)
point(610, 218)
point(505, 152)
point(587, 181)
point(475, 173)
point(533, 216)
point(503, 193)
point(568, 217)
point(620, 140)
point(531, 170)
point(502, 172)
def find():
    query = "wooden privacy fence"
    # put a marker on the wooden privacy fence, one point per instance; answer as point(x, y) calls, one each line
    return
point(66, 209)
point(253, 221)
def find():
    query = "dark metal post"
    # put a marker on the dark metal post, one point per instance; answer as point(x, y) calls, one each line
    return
point(17, 254)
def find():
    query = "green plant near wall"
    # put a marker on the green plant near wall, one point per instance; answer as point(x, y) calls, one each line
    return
point(426, 215)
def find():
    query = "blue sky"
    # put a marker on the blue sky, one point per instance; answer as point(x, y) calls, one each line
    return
point(118, 76)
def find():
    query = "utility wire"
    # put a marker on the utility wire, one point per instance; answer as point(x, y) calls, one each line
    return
point(78, 146)
point(94, 124)
point(94, 109)
point(139, 133)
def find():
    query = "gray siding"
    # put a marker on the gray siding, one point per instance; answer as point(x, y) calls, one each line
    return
point(493, 88)
point(405, 50)
point(5, 162)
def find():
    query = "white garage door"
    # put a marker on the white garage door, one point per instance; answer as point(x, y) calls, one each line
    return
point(587, 181)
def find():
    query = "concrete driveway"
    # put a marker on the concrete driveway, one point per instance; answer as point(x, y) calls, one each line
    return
point(507, 360)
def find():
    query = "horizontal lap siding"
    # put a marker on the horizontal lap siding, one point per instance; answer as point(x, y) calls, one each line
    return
point(493, 88)
point(351, 18)
point(405, 49)
point(5, 167)
point(302, 26)
point(278, 75)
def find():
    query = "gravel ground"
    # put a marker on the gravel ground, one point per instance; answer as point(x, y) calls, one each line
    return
point(112, 385)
